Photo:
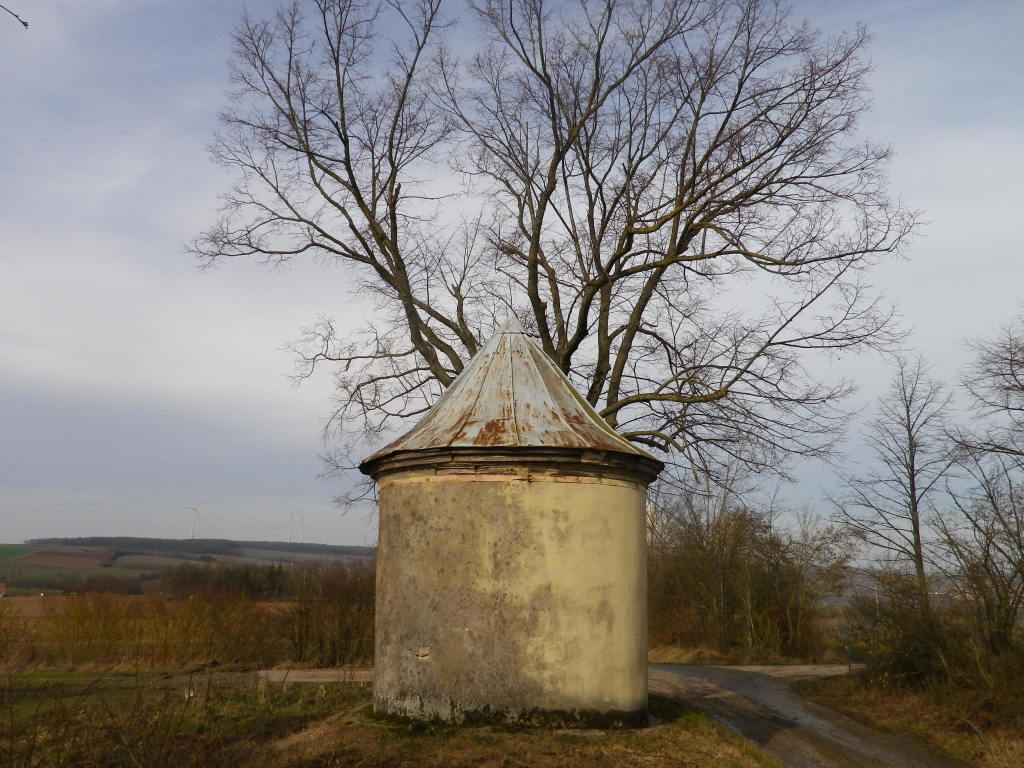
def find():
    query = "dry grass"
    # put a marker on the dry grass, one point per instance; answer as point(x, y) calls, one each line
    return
point(683, 739)
point(674, 654)
point(958, 724)
point(93, 719)
point(144, 719)
point(160, 632)
point(127, 630)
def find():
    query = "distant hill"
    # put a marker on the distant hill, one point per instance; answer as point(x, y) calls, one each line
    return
point(203, 546)
point(128, 563)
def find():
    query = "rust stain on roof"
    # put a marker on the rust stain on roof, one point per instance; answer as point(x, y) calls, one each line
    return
point(511, 395)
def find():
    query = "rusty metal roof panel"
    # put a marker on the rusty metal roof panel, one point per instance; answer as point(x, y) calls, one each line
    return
point(511, 395)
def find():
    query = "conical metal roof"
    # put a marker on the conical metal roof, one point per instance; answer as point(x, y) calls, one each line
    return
point(511, 395)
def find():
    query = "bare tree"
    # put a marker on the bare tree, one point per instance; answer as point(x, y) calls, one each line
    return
point(724, 573)
point(996, 387)
point(886, 508)
point(669, 193)
point(983, 543)
point(983, 535)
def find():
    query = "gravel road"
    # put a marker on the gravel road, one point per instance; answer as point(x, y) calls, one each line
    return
point(757, 702)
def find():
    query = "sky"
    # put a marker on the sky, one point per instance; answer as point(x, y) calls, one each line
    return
point(134, 385)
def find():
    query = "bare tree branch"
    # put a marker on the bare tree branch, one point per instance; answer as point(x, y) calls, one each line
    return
point(669, 193)
point(996, 387)
point(16, 16)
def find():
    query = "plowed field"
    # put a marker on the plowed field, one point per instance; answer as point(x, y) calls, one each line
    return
point(66, 558)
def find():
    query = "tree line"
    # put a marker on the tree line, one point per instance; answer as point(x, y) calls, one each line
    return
point(917, 567)
point(942, 514)
point(128, 545)
point(730, 577)
point(318, 613)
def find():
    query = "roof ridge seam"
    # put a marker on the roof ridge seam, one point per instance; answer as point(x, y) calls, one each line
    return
point(512, 390)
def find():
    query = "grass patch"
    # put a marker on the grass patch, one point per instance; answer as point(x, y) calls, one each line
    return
point(40, 574)
point(145, 562)
point(674, 654)
point(55, 718)
point(82, 719)
point(965, 725)
point(680, 737)
point(8, 551)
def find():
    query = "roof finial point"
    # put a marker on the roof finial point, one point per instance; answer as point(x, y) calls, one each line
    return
point(511, 325)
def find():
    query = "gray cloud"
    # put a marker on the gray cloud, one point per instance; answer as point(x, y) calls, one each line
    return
point(132, 385)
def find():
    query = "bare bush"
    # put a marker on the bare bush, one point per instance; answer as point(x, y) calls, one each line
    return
point(323, 615)
point(727, 576)
point(12, 630)
point(898, 642)
point(331, 620)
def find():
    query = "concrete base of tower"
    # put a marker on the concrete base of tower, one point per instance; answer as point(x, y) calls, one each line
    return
point(511, 598)
point(419, 709)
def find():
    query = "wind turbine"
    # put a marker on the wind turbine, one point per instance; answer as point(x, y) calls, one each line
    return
point(195, 520)
point(302, 524)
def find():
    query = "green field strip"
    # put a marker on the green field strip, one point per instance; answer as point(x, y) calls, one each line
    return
point(7, 551)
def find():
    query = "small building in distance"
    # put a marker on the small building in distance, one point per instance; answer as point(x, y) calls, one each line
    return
point(511, 568)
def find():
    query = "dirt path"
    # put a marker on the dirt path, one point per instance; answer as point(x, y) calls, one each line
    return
point(758, 703)
point(341, 675)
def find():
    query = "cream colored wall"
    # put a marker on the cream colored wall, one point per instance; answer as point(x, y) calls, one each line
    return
point(511, 598)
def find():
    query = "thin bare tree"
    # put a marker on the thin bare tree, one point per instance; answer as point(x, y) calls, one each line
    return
point(983, 532)
point(887, 508)
point(995, 385)
point(672, 195)
point(983, 545)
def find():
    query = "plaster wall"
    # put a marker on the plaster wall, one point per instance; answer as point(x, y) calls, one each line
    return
point(515, 598)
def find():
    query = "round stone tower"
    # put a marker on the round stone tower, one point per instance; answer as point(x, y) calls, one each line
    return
point(511, 568)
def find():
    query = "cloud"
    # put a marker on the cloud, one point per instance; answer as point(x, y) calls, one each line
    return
point(125, 373)
point(131, 383)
